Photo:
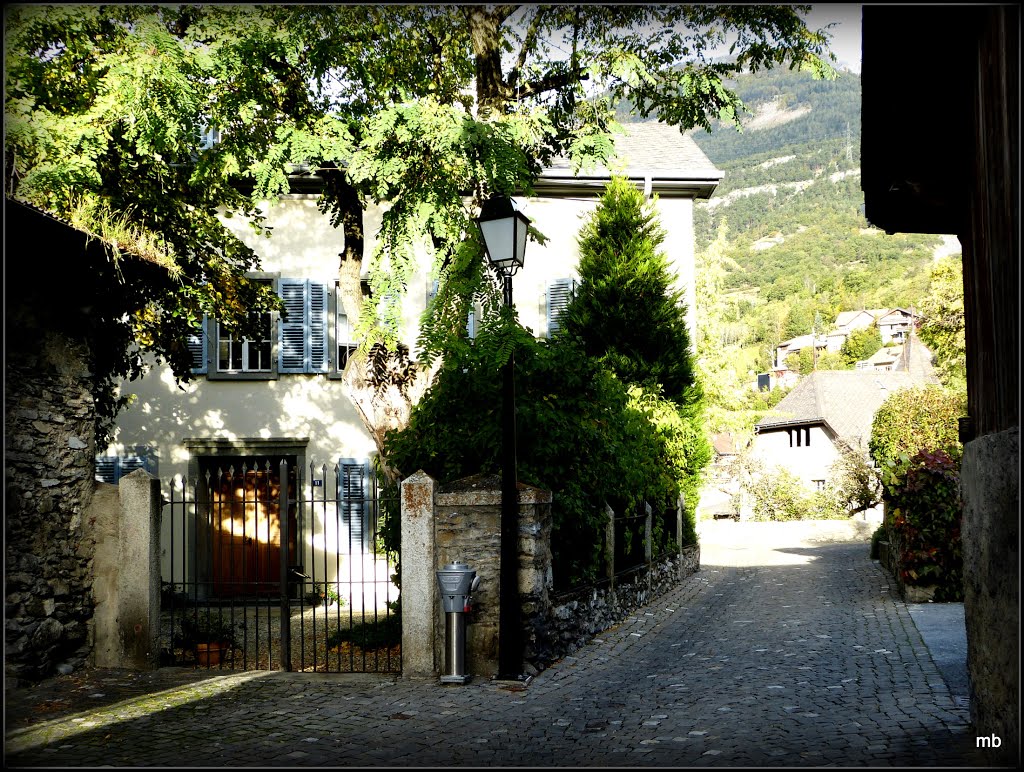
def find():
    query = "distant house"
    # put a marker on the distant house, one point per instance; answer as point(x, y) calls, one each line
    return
point(886, 358)
point(846, 322)
point(895, 325)
point(782, 374)
point(825, 411)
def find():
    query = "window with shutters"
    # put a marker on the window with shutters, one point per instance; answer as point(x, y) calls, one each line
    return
point(242, 355)
point(292, 342)
point(560, 292)
point(354, 505)
point(303, 330)
point(110, 469)
point(197, 348)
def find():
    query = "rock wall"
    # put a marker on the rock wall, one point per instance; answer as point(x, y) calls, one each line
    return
point(49, 450)
point(467, 528)
point(577, 617)
point(991, 542)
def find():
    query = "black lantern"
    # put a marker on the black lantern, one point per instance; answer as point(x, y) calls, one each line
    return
point(504, 231)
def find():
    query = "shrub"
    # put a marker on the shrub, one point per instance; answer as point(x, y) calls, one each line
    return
point(914, 419)
point(627, 310)
point(923, 519)
point(579, 433)
point(861, 344)
point(779, 495)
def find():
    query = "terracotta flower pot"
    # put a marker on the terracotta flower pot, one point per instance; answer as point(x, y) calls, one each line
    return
point(208, 654)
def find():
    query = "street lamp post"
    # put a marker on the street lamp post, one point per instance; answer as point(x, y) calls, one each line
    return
point(504, 233)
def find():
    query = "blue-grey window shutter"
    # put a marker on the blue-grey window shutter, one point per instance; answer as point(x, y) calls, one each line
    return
point(302, 344)
point(471, 323)
point(197, 347)
point(559, 295)
point(106, 469)
point(110, 469)
point(317, 340)
point(292, 340)
point(353, 501)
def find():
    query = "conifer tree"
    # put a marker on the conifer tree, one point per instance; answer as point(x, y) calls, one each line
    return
point(626, 311)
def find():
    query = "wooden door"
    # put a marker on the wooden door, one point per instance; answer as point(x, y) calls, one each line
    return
point(245, 526)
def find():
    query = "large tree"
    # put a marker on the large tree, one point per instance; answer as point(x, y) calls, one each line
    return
point(425, 108)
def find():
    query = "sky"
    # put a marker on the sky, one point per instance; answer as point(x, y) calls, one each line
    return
point(846, 40)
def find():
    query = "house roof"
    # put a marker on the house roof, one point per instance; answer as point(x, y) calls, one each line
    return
point(883, 355)
point(844, 318)
point(34, 219)
point(655, 156)
point(802, 341)
point(895, 316)
point(845, 400)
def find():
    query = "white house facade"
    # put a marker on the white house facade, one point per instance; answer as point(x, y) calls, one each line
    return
point(256, 403)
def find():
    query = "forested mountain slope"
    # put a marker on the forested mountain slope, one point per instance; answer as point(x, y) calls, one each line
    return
point(792, 241)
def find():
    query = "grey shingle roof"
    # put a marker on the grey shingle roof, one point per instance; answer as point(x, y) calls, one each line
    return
point(846, 400)
point(650, 149)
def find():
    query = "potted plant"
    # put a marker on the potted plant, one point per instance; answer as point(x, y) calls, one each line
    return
point(209, 634)
point(324, 595)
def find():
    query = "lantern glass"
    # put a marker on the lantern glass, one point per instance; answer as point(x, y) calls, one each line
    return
point(504, 231)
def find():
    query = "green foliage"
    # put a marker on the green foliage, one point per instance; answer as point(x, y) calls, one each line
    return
point(625, 311)
point(798, 180)
point(580, 433)
point(915, 419)
point(396, 105)
point(923, 520)
point(834, 116)
point(854, 483)
point(683, 452)
point(942, 325)
point(861, 344)
point(777, 494)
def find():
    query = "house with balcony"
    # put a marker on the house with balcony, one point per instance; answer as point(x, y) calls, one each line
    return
point(254, 404)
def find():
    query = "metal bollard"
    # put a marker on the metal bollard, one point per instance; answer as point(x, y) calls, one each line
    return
point(456, 581)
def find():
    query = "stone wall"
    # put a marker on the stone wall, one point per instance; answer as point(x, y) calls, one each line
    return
point(49, 450)
point(577, 617)
point(990, 486)
point(466, 527)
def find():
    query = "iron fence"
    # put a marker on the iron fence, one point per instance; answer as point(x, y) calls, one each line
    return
point(256, 575)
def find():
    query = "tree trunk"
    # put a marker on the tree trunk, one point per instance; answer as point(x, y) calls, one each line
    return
point(486, 37)
point(350, 212)
point(385, 403)
point(386, 386)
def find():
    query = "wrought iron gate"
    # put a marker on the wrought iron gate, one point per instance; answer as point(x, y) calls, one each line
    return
point(257, 577)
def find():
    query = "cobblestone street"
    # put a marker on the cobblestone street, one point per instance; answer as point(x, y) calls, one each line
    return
point(770, 655)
